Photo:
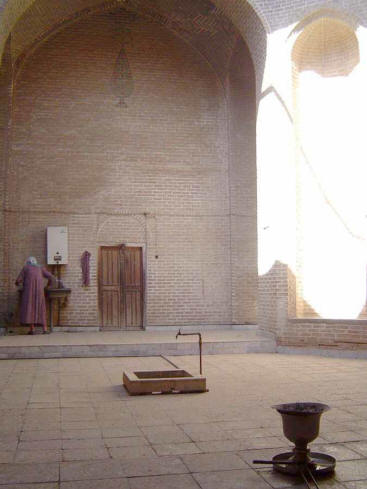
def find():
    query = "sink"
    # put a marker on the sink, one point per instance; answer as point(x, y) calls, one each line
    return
point(61, 296)
point(53, 293)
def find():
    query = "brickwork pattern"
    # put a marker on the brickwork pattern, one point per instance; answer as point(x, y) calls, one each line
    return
point(5, 110)
point(242, 170)
point(154, 173)
point(257, 21)
point(341, 334)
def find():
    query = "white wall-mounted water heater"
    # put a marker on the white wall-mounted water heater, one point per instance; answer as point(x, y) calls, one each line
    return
point(57, 245)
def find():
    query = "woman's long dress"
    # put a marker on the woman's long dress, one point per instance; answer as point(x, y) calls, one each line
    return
point(33, 303)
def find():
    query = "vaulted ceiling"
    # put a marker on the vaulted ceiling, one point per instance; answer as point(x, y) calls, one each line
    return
point(199, 22)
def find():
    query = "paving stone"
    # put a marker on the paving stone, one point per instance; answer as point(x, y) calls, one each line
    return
point(252, 433)
point(205, 432)
point(10, 425)
point(283, 481)
point(80, 425)
point(244, 414)
point(127, 441)
point(359, 447)
point(98, 453)
point(342, 436)
point(153, 466)
point(8, 404)
point(121, 483)
point(81, 434)
point(46, 414)
point(340, 451)
point(7, 457)
point(269, 442)
point(44, 397)
point(176, 448)
point(265, 454)
point(26, 473)
point(151, 420)
point(68, 398)
point(164, 482)
point(40, 445)
point(8, 444)
point(40, 424)
point(124, 453)
point(115, 413)
point(95, 469)
point(46, 485)
point(121, 432)
point(206, 462)
point(88, 443)
point(41, 456)
point(45, 404)
point(231, 479)
point(115, 423)
point(355, 485)
point(222, 446)
point(353, 470)
point(164, 434)
point(78, 414)
point(40, 435)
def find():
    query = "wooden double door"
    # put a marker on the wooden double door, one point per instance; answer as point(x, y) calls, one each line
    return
point(121, 287)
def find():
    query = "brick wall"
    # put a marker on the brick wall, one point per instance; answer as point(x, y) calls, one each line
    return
point(242, 171)
point(208, 201)
point(5, 110)
point(150, 167)
point(339, 334)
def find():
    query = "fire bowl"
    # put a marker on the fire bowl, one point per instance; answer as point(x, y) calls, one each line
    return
point(301, 421)
point(301, 424)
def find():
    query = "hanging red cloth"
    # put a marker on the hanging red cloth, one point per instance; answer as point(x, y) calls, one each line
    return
point(85, 259)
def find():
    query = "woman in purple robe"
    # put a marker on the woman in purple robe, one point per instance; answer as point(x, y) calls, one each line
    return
point(33, 304)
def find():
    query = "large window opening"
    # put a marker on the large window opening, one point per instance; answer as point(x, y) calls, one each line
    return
point(331, 172)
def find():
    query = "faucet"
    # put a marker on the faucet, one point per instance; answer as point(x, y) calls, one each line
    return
point(200, 345)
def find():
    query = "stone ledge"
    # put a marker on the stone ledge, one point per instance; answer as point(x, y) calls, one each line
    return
point(136, 350)
point(328, 321)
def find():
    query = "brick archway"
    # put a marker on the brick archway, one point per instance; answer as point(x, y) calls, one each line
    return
point(195, 99)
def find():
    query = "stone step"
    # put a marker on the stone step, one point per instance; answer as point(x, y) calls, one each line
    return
point(142, 343)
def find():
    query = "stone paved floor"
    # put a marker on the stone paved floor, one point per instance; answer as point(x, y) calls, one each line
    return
point(68, 423)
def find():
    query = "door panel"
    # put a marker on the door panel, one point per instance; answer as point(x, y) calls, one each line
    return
point(133, 308)
point(110, 310)
point(109, 283)
point(121, 289)
point(133, 286)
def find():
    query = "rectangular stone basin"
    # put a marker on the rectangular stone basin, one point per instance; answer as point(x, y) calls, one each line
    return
point(162, 382)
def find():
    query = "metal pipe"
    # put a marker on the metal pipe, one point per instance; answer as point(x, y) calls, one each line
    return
point(313, 478)
point(302, 469)
point(200, 345)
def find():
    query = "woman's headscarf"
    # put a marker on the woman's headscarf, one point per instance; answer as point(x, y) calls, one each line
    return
point(31, 260)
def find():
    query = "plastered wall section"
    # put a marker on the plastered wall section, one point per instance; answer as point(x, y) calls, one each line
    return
point(150, 167)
